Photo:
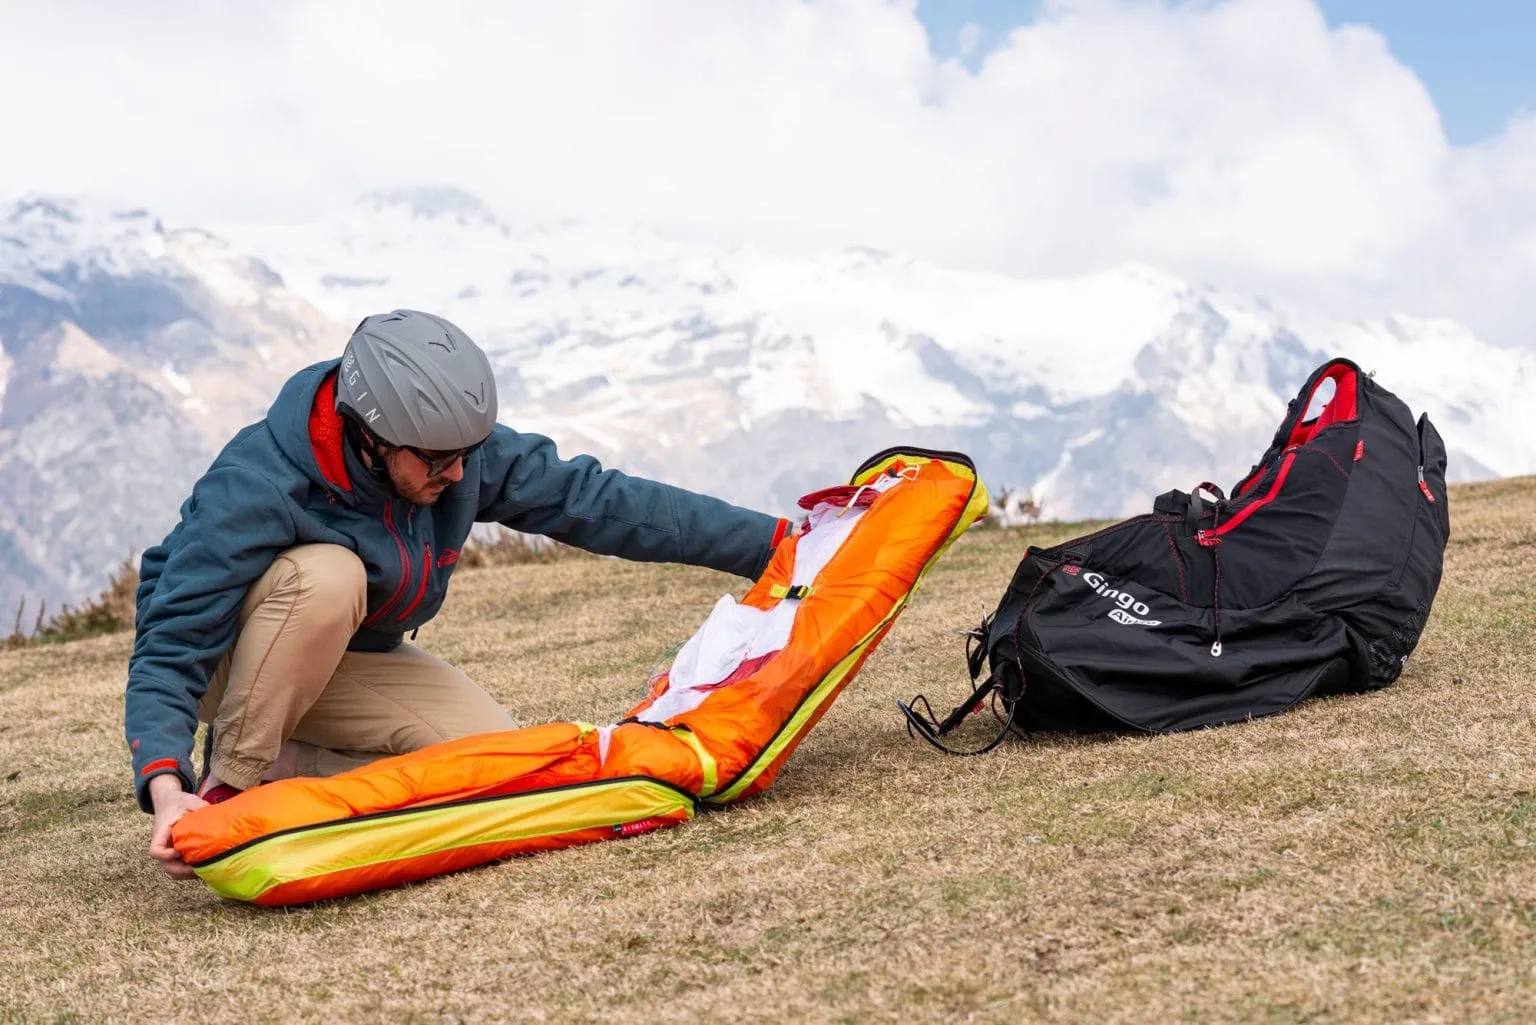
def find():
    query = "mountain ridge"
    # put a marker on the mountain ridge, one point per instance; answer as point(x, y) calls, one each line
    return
point(131, 351)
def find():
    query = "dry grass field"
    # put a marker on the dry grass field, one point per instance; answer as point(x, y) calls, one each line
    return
point(1366, 858)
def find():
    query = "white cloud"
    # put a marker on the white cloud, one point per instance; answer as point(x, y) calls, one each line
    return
point(969, 38)
point(1242, 142)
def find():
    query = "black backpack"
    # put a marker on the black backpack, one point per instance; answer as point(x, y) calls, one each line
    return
point(1315, 576)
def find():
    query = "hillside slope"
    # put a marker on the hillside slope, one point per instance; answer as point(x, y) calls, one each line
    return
point(1359, 859)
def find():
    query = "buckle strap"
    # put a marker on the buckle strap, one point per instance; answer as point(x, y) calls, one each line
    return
point(795, 592)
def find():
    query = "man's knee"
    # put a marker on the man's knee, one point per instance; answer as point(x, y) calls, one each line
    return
point(469, 711)
point(328, 582)
point(417, 735)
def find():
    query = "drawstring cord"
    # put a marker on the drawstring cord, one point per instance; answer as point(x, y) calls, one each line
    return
point(1216, 600)
point(1210, 539)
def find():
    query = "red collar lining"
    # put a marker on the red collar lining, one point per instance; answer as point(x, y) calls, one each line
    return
point(325, 435)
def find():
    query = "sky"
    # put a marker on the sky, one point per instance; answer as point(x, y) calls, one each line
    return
point(1474, 56)
point(1357, 157)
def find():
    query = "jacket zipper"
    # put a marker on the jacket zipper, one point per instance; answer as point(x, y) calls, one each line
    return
point(405, 566)
point(1424, 487)
point(426, 576)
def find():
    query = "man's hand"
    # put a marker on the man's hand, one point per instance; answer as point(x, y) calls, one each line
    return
point(171, 803)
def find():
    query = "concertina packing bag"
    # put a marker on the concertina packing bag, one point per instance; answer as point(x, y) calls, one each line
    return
point(715, 727)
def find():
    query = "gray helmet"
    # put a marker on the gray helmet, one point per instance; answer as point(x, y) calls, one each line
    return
point(410, 378)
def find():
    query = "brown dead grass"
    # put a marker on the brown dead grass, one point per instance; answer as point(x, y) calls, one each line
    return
point(109, 612)
point(503, 547)
point(1359, 859)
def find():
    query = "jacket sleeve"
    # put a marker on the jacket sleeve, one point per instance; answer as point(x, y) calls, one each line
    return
point(525, 485)
point(151, 563)
point(231, 529)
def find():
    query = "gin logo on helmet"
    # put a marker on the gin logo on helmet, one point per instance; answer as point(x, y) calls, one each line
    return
point(350, 374)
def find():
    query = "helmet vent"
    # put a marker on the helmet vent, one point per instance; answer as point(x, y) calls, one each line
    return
point(447, 343)
point(426, 402)
point(395, 359)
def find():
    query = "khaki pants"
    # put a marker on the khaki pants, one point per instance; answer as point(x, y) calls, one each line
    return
point(289, 676)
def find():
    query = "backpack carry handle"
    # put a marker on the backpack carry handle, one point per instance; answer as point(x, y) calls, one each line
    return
point(1342, 406)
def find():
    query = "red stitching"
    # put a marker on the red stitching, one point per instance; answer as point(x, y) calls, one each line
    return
point(1134, 521)
point(1178, 563)
point(1325, 452)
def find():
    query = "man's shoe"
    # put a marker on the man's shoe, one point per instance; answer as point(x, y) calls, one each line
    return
point(221, 792)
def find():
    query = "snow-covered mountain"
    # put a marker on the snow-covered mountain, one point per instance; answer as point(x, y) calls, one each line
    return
point(129, 353)
point(755, 375)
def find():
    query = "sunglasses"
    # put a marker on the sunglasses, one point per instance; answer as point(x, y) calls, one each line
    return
point(439, 462)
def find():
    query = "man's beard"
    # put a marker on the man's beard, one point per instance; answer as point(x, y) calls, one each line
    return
point(427, 494)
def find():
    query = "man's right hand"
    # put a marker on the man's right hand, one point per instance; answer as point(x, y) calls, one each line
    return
point(170, 803)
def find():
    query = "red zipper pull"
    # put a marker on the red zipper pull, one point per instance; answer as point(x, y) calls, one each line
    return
point(1425, 487)
point(1207, 538)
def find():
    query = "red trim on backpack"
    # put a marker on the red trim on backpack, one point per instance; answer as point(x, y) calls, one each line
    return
point(448, 558)
point(1342, 407)
point(326, 433)
point(158, 764)
point(1269, 496)
point(1248, 485)
point(1424, 486)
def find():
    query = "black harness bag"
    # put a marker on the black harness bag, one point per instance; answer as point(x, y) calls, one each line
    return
point(1316, 575)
